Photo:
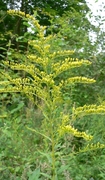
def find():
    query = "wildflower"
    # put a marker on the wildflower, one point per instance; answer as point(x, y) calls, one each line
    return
point(73, 131)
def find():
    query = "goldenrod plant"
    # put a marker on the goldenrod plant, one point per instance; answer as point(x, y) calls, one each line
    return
point(43, 85)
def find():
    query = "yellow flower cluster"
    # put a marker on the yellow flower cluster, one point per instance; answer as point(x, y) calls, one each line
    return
point(46, 48)
point(31, 69)
point(92, 146)
point(71, 130)
point(16, 12)
point(6, 75)
point(67, 64)
point(91, 109)
point(33, 42)
point(48, 81)
point(56, 91)
point(61, 53)
point(10, 89)
point(65, 119)
point(28, 68)
point(40, 46)
point(43, 61)
point(4, 83)
point(17, 85)
point(36, 80)
point(79, 79)
point(28, 89)
point(27, 16)
point(48, 38)
point(34, 58)
point(19, 81)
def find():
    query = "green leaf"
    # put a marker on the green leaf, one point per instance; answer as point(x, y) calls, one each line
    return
point(3, 48)
point(34, 175)
point(9, 53)
point(18, 108)
point(47, 155)
point(46, 175)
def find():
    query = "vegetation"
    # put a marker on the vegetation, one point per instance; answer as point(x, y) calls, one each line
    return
point(52, 104)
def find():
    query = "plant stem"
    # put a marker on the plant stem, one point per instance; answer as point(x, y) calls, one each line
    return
point(53, 157)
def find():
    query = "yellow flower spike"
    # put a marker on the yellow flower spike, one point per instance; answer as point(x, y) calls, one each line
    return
point(36, 59)
point(48, 81)
point(87, 110)
point(12, 89)
point(23, 15)
point(62, 53)
point(79, 79)
point(56, 91)
point(37, 47)
point(65, 119)
point(16, 12)
point(46, 39)
point(69, 64)
point(4, 83)
point(69, 129)
point(46, 48)
point(91, 147)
